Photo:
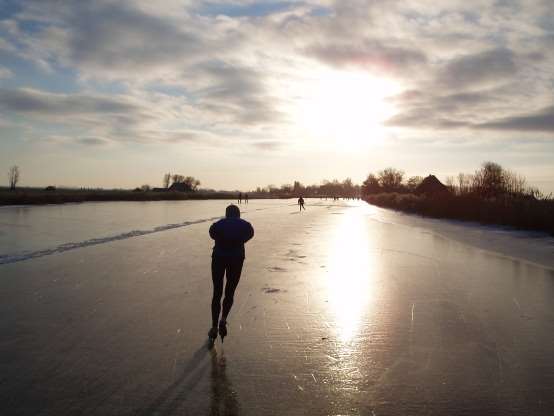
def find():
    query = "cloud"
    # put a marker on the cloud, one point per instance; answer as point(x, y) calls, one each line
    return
point(5, 72)
point(268, 145)
point(188, 76)
point(112, 117)
point(539, 121)
point(373, 56)
point(483, 68)
point(235, 93)
point(92, 141)
point(6, 46)
point(30, 101)
point(424, 118)
point(94, 120)
point(439, 109)
point(124, 40)
point(138, 46)
point(446, 113)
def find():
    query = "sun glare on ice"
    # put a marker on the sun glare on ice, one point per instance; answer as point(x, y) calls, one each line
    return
point(351, 275)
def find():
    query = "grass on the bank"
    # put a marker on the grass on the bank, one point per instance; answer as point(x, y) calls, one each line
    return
point(524, 213)
point(34, 197)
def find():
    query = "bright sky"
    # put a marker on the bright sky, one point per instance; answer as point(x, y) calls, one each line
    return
point(248, 93)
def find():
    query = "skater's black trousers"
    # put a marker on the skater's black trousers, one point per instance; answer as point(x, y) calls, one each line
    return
point(221, 266)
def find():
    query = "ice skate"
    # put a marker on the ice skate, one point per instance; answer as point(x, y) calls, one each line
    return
point(222, 329)
point(212, 336)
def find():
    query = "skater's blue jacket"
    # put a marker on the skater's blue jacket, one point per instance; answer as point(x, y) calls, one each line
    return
point(230, 234)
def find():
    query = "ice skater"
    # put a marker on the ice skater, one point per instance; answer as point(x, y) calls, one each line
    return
point(301, 204)
point(230, 234)
point(239, 198)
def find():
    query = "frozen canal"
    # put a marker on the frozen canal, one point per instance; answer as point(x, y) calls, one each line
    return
point(343, 309)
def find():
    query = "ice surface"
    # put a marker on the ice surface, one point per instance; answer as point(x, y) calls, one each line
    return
point(28, 229)
point(342, 309)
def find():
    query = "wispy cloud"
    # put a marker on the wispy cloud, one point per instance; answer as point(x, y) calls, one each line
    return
point(477, 70)
point(214, 73)
point(5, 72)
point(539, 121)
point(227, 62)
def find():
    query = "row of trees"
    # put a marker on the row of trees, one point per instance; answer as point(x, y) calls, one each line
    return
point(389, 180)
point(490, 195)
point(343, 189)
point(492, 181)
point(489, 181)
point(189, 182)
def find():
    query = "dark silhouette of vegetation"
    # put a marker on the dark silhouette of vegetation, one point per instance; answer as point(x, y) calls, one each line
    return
point(166, 180)
point(491, 195)
point(431, 185)
point(182, 183)
point(327, 189)
point(36, 196)
point(390, 179)
point(13, 177)
point(413, 182)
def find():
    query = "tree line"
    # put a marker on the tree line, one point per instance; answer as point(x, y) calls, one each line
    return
point(187, 183)
point(490, 195)
point(327, 188)
point(489, 181)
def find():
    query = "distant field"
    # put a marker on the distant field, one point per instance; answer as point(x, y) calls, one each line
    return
point(29, 196)
point(37, 196)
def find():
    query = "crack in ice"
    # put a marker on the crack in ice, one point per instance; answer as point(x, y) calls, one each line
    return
point(14, 258)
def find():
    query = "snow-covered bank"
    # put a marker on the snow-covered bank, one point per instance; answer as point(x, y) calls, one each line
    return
point(536, 247)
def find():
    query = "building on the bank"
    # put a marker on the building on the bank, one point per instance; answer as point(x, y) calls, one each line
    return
point(431, 185)
point(180, 187)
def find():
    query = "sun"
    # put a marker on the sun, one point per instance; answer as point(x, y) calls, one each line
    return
point(347, 108)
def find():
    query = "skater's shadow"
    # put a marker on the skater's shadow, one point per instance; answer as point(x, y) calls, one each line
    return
point(173, 397)
point(224, 399)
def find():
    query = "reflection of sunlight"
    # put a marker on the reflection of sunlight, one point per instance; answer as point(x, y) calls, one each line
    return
point(346, 106)
point(350, 280)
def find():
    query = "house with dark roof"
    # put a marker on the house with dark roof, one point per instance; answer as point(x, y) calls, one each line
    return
point(431, 186)
point(180, 187)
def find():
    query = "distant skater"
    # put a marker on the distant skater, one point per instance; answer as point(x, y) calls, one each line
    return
point(301, 204)
point(239, 198)
point(230, 234)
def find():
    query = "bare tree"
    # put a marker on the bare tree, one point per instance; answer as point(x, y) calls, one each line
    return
point(465, 181)
point(13, 176)
point(489, 180)
point(177, 178)
point(191, 182)
point(166, 180)
point(390, 179)
point(514, 183)
point(451, 184)
point(413, 182)
point(371, 185)
point(298, 188)
point(348, 189)
point(145, 188)
point(272, 189)
point(286, 188)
